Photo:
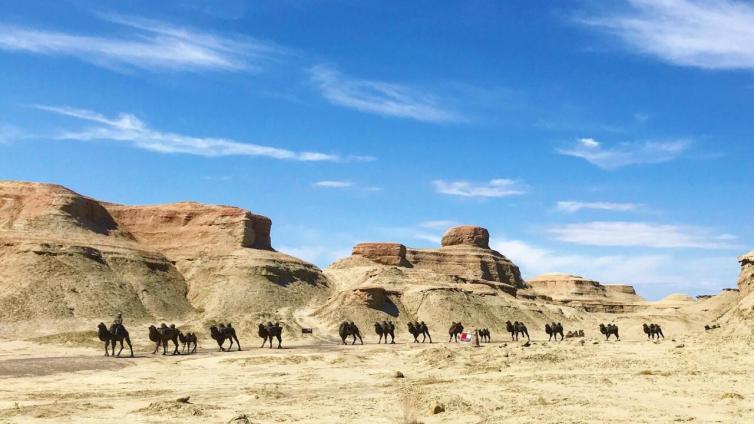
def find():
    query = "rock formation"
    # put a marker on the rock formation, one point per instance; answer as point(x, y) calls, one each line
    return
point(467, 235)
point(746, 278)
point(464, 255)
point(66, 255)
point(580, 292)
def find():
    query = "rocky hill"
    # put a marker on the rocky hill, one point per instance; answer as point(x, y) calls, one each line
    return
point(65, 255)
point(573, 290)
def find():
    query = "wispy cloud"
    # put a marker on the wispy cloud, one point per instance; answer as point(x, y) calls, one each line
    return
point(378, 97)
point(438, 225)
point(9, 133)
point(703, 34)
point(702, 273)
point(642, 234)
point(151, 45)
point(129, 129)
point(570, 206)
point(333, 184)
point(624, 154)
point(500, 187)
point(344, 184)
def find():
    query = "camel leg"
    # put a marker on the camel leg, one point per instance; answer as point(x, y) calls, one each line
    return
point(156, 347)
point(112, 347)
point(344, 339)
point(238, 343)
point(392, 339)
point(128, 340)
point(264, 340)
point(121, 347)
point(280, 342)
point(107, 352)
point(430, 337)
point(175, 351)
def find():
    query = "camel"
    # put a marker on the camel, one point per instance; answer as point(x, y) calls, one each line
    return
point(346, 329)
point(380, 330)
point(609, 330)
point(648, 331)
point(221, 333)
point(517, 328)
point(425, 331)
point(186, 341)
point(116, 333)
point(389, 329)
point(270, 331)
point(162, 335)
point(521, 328)
point(656, 330)
point(484, 335)
point(708, 327)
point(419, 328)
point(455, 329)
point(553, 330)
point(575, 333)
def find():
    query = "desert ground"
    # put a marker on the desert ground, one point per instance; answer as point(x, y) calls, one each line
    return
point(65, 378)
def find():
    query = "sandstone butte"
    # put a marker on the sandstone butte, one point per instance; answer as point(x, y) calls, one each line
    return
point(590, 295)
point(65, 255)
point(68, 256)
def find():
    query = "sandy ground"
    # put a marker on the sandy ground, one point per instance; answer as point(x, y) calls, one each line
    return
point(692, 379)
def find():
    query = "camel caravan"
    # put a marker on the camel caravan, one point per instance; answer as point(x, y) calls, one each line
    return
point(186, 343)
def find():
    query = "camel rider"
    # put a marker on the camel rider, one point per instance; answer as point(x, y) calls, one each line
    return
point(118, 319)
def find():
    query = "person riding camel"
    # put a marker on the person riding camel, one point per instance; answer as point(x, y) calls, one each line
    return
point(118, 319)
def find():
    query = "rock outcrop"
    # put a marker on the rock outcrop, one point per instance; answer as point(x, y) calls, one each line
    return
point(64, 255)
point(580, 292)
point(464, 255)
point(746, 278)
point(383, 253)
point(467, 235)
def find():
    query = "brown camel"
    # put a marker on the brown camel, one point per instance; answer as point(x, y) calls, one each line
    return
point(455, 329)
point(346, 329)
point(116, 333)
point(221, 333)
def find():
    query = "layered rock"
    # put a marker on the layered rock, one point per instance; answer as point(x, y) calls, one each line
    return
point(383, 253)
point(590, 295)
point(746, 278)
point(466, 235)
point(464, 255)
point(66, 255)
point(190, 227)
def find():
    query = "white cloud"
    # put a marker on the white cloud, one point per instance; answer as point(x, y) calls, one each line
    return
point(341, 184)
point(671, 272)
point(495, 188)
point(379, 97)
point(151, 46)
point(333, 184)
point(438, 225)
point(316, 254)
point(703, 34)
point(619, 233)
point(9, 133)
point(624, 154)
point(130, 129)
point(570, 206)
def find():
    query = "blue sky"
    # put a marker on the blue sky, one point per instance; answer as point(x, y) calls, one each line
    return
point(607, 139)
